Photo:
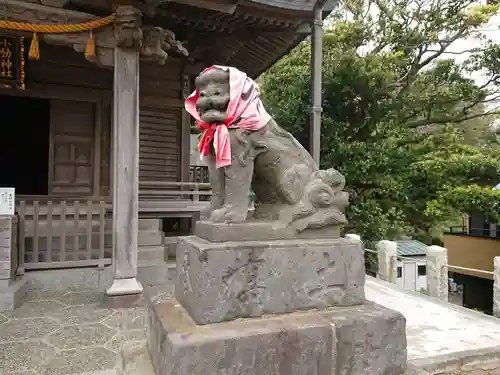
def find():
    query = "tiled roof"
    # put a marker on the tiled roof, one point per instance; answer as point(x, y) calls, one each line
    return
point(410, 248)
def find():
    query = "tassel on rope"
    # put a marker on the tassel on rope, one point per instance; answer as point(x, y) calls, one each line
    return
point(34, 53)
point(90, 48)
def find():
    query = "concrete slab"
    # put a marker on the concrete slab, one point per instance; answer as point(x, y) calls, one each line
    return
point(440, 335)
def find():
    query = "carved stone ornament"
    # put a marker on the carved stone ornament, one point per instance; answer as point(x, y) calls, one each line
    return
point(153, 42)
point(157, 42)
point(128, 22)
point(289, 187)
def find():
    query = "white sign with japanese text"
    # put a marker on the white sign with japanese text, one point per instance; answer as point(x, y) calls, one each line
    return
point(7, 201)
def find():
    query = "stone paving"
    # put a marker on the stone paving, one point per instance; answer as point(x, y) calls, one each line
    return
point(492, 368)
point(69, 332)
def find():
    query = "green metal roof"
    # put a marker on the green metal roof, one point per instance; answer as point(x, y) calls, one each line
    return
point(410, 248)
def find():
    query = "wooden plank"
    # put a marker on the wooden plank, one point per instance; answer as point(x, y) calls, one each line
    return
point(102, 222)
point(97, 149)
point(159, 138)
point(62, 225)
point(76, 236)
point(49, 224)
point(35, 231)
point(164, 91)
point(22, 239)
point(155, 162)
point(168, 184)
point(153, 112)
point(60, 73)
point(159, 130)
point(67, 264)
point(195, 192)
point(89, 229)
point(160, 102)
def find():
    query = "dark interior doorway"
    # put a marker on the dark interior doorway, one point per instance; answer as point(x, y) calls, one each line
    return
point(24, 144)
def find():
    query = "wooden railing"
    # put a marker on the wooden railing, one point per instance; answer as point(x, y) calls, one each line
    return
point(63, 233)
point(475, 232)
point(163, 190)
point(76, 232)
point(198, 173)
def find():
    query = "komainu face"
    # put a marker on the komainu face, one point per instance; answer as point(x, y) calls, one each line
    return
point(213, 87)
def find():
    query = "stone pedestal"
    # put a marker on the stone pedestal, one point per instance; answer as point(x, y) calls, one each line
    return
point(220, 281)
point(12, 287)
point(275, 306)
point(357, 340)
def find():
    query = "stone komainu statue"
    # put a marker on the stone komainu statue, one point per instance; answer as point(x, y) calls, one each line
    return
point(244, 147)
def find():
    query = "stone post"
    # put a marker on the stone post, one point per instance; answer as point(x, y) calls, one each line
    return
point(316, 63)
point(387, 260)
point(126, 155)
point(437, 272)
point(8, 250)
point(353, 237)
point(496, 287)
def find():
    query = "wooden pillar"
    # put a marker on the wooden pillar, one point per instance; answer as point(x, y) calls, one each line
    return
point(125, 172)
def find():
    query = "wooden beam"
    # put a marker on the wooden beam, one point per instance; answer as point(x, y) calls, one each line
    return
point(18, 10)
point(55, 3)
point(24, 11)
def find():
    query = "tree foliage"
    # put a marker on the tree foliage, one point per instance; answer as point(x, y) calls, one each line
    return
point(402, 120)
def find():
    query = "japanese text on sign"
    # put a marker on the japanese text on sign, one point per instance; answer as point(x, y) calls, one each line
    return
point(6, 57)
point(7, 201)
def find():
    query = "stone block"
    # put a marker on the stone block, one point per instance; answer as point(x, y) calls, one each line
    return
point(300, 343)
point(150, 224)
point(368, 334)
point(171, 246)
point(289, 345)
point(8, 247)
point(5, 270)
point(12, 293)
point(152, 273)
point(151, 254)
point(258, 231)
point(150, 238)
point(220, 281)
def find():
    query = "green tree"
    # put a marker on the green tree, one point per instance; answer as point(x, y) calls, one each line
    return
point(407, 126)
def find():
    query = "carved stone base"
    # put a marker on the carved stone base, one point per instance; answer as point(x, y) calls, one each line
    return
point(124, 287)
point(259, 231)
point(221, 281)
point(358, 340)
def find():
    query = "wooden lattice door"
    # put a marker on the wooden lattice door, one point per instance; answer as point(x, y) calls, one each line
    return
point(72, 147)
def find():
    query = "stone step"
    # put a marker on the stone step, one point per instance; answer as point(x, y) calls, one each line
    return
point(152, 273)
point(150, 238)
point(170, 244)
point(151, 253)
point(134, 360)
point(150, 224)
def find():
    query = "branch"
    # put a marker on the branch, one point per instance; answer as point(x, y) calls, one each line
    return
point(444, 45)
point(447, 119)
point(457, 53)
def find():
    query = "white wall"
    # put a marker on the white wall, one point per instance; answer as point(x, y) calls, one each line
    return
point(406, 280)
